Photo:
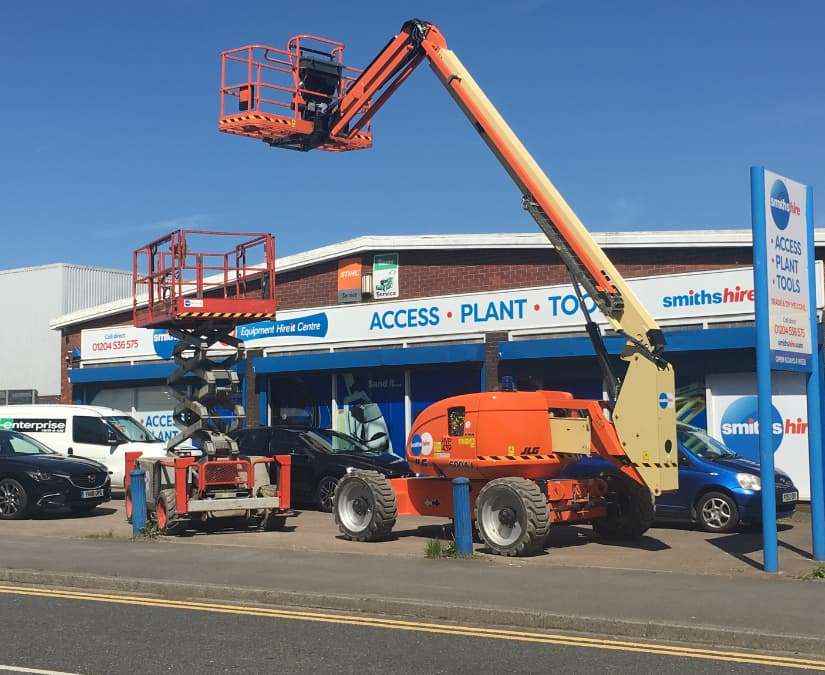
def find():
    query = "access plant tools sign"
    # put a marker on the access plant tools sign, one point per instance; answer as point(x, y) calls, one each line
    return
point(786, 240)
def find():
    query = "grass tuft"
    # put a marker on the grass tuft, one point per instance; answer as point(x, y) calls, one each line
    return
point(816, 574)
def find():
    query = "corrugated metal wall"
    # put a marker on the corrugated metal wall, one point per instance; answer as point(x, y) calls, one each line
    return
point(30, 351)
point(88, 286)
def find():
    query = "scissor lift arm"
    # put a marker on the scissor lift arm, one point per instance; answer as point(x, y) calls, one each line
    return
point(643, 413)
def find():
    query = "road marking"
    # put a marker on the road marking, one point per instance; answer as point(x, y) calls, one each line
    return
point(421, 627)
point(20, 669)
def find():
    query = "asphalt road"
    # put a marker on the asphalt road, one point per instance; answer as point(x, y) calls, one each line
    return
point(47, 632)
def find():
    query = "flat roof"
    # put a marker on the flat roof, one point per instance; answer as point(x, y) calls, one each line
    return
point(640, 239)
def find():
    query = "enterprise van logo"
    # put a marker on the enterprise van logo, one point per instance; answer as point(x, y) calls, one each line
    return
point(702, 296)
point(33, 426)
point(740, 427)
point(781, 205)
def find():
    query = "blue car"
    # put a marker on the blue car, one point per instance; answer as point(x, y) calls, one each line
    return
point(719, 490)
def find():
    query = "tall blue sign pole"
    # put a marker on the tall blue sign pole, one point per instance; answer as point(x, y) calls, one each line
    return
point(815, 459)
point(786, 334)
point(763, 372)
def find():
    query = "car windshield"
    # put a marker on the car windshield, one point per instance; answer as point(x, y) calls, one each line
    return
point(699, 443)
point(333, 442)
point(14, 444)
point(131, 429)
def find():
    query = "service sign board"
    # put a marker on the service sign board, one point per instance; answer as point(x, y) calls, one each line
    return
point(349, 280)
point(700, 296)
point(786, 240)
point(385, 282)
point(733, 419)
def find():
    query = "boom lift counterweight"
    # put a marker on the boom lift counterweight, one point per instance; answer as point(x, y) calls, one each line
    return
point(516, 444)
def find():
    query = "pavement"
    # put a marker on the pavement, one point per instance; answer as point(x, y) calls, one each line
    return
point(52, 634)
point(676, 584)
point(666, 548)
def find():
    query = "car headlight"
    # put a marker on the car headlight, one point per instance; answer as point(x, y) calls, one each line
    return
point(40, 476)
point(748, 481)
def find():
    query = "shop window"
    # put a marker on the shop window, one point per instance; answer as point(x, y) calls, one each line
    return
point(301, 399)
point(157, 397)
point(119, 398)
point(429, 384)
point(371, 408)
point(455, 421)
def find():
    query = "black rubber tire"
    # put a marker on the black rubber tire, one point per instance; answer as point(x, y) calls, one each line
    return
point(631, 512)
point(532, 515)
point(173, 524)
point(23, 507)
point(384, 509)
point(322, 504)
point(83, 509)
point(733, 519)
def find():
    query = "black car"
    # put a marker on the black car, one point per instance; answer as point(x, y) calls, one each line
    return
point(33, 477)
point(319, 458)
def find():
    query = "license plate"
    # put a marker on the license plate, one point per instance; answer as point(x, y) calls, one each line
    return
point(790, 496)
point(91, 494)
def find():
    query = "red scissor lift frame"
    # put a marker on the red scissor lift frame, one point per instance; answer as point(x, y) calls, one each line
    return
point(182, 287)
point(199, 297)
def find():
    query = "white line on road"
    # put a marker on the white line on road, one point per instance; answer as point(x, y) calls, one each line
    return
point(36, 671)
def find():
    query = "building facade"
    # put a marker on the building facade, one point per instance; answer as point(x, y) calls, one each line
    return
point(30, 353)
point(372, 330)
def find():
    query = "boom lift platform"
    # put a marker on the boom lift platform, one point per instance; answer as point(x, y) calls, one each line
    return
point(513, 446)
point(195, 299)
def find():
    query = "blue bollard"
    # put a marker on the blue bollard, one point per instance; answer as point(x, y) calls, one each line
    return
point(461, 515)
point(137, 492)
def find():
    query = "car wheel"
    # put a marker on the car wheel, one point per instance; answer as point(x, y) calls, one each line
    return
point(14, 502)
point(717, 512)
point(324, 492)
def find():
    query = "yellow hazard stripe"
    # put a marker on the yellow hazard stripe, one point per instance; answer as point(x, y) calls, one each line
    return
point(512, 458)
point(227, 315)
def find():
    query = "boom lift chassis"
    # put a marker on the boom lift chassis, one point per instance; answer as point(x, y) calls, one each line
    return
point(198, 298)
point(304, 98)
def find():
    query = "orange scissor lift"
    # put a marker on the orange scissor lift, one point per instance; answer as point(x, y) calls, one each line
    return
point(195, 297)
point(513, 446)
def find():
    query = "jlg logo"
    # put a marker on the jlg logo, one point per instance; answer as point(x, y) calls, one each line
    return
point(530, 450)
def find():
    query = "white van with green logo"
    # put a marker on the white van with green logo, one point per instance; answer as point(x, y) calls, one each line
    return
point(102, 434)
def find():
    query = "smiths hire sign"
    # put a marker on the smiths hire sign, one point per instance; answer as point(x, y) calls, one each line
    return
point(687, 298)
point(786, 240)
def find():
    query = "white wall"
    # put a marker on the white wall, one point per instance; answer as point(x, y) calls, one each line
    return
point(29, 349)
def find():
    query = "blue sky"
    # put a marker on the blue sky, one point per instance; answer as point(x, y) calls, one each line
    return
point(646, 115)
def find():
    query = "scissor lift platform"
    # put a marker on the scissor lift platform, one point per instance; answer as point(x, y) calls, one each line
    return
point(175, 286)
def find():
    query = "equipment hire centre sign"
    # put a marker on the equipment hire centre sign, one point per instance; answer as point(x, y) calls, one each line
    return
point(786, 240)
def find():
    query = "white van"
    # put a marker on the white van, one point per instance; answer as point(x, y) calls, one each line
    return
point(98, 433)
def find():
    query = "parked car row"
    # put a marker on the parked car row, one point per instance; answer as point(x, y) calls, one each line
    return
point(71, 456)
point(320, 457)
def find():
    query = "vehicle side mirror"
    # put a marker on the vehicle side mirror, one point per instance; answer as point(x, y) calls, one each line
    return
point(70, 452)
point(683, 460)
point(112, 439)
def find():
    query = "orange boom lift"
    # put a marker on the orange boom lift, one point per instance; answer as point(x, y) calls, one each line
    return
point(513, 446)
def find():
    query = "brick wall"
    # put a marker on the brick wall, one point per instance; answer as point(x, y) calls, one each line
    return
point(427, 273)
